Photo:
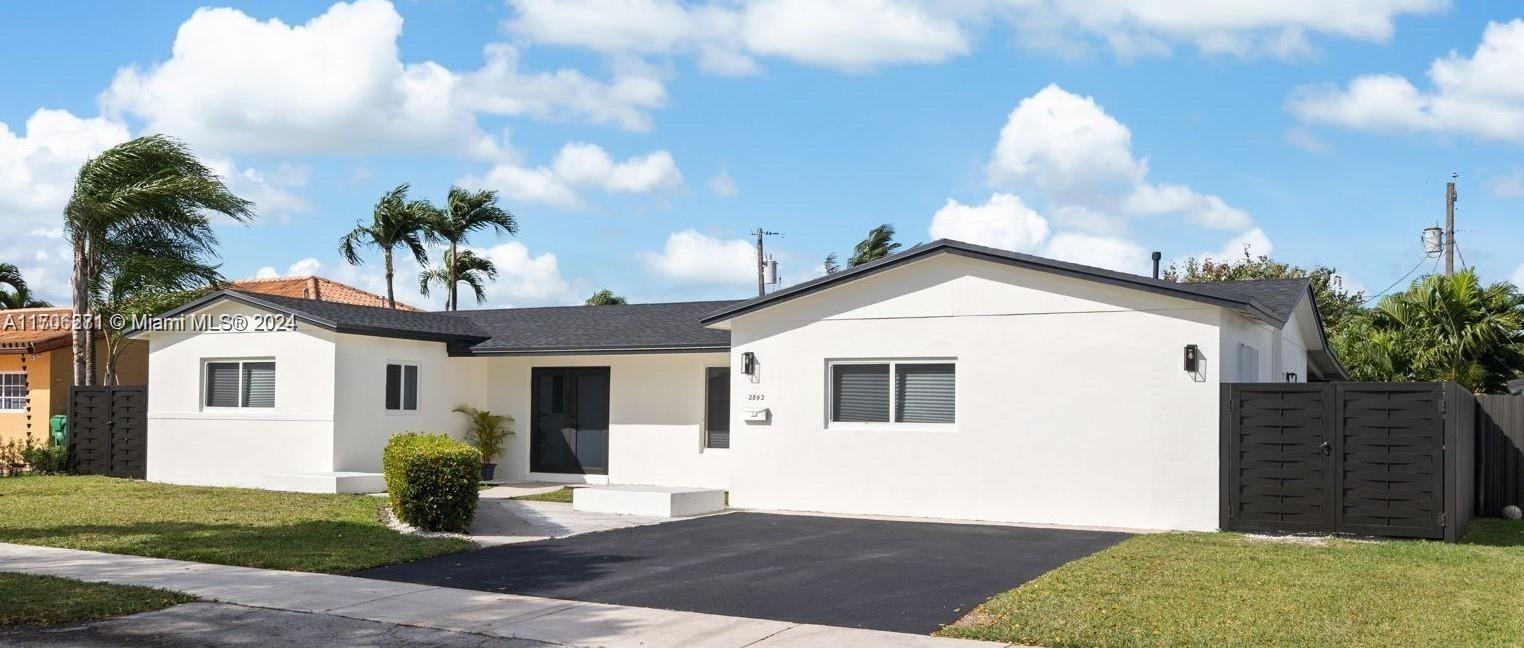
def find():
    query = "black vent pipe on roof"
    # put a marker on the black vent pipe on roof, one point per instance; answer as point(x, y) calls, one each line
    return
point(1157, 255)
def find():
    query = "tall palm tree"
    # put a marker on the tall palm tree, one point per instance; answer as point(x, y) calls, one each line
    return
point(463, 266)
point(605, 297)
point(879, 244)
point(466, 212)
point(139, 217)
point(395, 222)
point(20, 295)
point(1452, 328)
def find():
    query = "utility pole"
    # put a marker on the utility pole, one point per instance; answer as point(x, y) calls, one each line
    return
point(1450, 198)
point(761, 261)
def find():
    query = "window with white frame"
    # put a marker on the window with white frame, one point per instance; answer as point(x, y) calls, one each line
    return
point(12, 391)
point(1248, 363)
point(240, 383)
point(899, 391)
point(401, 387)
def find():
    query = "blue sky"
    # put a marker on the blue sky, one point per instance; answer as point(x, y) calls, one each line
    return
point(639, 141)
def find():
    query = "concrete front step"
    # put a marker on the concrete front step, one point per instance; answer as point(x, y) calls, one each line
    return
point(328, 482)
point(657, 501)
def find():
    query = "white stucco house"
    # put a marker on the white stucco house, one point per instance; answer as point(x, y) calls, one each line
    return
point(950, 381)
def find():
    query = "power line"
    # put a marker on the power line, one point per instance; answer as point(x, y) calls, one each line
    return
point(1400, 279)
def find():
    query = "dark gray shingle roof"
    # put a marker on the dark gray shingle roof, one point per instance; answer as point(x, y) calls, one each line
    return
point(593, 329)
point(1279, 296)
point(508, 331)
point(1243, 298)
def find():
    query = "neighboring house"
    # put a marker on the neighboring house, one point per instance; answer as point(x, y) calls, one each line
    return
point(37, 368)
point(949, 380)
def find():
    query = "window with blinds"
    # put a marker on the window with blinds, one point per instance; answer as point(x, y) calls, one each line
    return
point(923, 393)
point(243, 383)
point(717, 407)
point(13, 391)
point(916, 392)
point(401, 387)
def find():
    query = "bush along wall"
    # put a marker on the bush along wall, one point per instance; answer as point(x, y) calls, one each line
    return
point(432, 481)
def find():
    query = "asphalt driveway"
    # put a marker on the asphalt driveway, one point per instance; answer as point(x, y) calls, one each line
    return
point(897, 576)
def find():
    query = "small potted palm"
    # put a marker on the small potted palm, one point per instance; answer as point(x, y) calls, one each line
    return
point(486, 432)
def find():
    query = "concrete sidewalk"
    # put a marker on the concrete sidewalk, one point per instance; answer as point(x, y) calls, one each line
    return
point(493, 615)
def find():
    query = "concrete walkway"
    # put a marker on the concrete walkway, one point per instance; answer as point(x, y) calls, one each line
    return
point(501, 520)
point(505, 616)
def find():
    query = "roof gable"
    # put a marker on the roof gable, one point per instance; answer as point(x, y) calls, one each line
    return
point(1271, 301)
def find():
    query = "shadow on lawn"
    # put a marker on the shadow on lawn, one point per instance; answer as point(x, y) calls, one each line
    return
point(1493, 532)
point(319, 546)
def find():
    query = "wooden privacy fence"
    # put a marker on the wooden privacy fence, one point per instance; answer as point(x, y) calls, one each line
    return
point(108, 431)
point(1500, 453)
point(1387, 459)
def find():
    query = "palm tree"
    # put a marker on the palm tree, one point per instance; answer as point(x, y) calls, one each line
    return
point(1451, 328)
point(139, 218)
point(19, 296)
point(466, 267)
point(879, 244)
point(831, 265)
point(466, 212)
point(605, 297)
point(395, 222)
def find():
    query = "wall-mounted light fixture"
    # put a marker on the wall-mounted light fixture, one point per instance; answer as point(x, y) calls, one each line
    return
point(1291, 376)
point(1192, 357)
point(749, 363)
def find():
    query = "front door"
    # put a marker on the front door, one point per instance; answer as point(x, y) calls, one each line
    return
point(570, 428)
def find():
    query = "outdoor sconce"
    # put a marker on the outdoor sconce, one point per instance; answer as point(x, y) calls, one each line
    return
point(1192, 357)
point(1291, 376)
point(749, 363)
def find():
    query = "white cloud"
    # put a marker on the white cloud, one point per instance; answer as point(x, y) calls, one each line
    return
point(1518, 277)
point(853, 35)
point(525, 278)
point(580, 165)
point(274, 193)
point(589, 165)
point(302, 268)
point(1003, 222)
point(693, 258)
point(1080, 158)
point(38, 164)
point(723, 185)
point(1101, 251)
point(1477, 95)
point(1508, 185)
point(499, 87)
point(337, 84)
point(728, 37)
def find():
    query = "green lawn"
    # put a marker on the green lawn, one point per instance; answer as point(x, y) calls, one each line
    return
point(1224, 589)
point(232, 526)
point(45, 600)
point(562, 495)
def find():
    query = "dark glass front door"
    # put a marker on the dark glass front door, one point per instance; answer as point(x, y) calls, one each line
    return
point(570, 430)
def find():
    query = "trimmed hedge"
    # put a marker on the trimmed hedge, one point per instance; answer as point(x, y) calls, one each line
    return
point(432, 480)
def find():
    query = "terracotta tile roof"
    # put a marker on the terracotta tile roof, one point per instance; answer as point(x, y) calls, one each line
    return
point(33, 330)
point(313, 287)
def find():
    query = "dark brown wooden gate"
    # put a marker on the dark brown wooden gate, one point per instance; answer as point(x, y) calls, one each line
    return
point(1377, 459)
point(108, 431)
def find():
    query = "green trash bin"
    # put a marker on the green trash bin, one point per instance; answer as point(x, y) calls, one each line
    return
point(58, 430)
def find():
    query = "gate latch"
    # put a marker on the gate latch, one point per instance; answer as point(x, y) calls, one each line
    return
point(1325, 448)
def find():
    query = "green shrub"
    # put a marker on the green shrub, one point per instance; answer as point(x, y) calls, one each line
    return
point(431, 480)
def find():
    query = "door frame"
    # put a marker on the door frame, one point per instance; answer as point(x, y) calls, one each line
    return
point(534, 416)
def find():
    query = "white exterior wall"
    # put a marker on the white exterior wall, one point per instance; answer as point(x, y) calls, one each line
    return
point(190, 444)
point(656, 413)
point(1072, 403)
point(1294, 343)
point(363, 424)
